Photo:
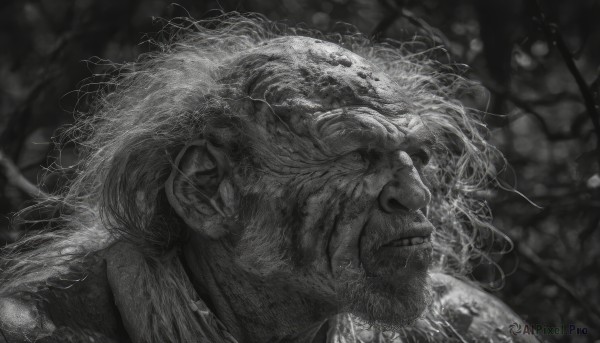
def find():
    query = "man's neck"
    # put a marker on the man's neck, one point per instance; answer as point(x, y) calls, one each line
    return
point(251, 309)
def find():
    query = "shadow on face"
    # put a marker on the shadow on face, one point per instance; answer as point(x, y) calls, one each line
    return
point(336, 204)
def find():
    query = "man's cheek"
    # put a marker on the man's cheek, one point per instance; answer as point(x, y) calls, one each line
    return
point(330, 218)
point(345, 240)
point(363, 188)
point(370, 185)
point(319, 214)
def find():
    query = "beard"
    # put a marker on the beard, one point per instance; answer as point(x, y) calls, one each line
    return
point(388, 303)
point(392, 293)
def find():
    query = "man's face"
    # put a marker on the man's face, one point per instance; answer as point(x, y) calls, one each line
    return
point(333, 208)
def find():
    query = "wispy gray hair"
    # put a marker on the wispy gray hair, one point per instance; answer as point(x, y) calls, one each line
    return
point(166, 99)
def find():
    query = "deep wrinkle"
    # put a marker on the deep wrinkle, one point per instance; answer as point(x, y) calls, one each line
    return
point(167, 100)
point(411, 142)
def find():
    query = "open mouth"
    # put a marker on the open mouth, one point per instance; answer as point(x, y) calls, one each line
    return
point(409, 241)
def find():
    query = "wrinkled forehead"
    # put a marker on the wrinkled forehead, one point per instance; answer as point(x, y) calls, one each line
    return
point(304, 78)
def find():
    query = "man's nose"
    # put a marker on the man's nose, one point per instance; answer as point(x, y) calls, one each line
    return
point(406, 191)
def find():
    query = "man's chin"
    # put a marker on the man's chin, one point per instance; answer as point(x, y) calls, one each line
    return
point(389, 302)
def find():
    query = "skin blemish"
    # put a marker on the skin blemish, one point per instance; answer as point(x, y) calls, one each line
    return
point(333, 62)
point(344, 60)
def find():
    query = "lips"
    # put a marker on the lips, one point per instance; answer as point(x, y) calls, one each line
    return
point(398, 246)
point(413, 236)
point(409, 241)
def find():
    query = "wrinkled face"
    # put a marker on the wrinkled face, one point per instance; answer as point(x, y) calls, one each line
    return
point(334, 198)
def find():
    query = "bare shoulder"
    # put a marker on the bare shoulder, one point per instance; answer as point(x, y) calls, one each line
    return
point(21, 320)
point(475, 314)
point(74, 306)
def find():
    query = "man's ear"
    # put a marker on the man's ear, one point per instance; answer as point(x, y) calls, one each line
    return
point(199, 188)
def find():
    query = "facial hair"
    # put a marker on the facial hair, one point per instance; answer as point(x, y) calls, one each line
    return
point(382, 303)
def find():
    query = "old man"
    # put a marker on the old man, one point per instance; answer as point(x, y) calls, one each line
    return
point(247, 184)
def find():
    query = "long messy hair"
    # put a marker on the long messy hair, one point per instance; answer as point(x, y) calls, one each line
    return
point(144, 115)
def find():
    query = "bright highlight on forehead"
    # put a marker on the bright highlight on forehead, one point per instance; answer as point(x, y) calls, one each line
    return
point(299, 75)
point(329, 92)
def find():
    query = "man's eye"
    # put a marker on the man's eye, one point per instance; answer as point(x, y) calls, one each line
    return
point(420, 158)
point(358, 157)
point(364, 157)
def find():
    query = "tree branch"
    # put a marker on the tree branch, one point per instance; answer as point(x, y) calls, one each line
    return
point(552, 34)
point(393, 13)
point(525, 107)
point(541, 268)
point(15, 178)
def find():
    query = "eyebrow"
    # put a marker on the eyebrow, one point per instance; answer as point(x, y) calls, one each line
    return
point(348, 129)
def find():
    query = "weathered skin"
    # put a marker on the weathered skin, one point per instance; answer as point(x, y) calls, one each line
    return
point(340, 179)
point(302, 229)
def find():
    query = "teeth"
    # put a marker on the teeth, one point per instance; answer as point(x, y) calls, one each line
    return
point(416, 240)
point(411, 241)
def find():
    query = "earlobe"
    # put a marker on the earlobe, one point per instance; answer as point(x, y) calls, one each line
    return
point(199, 188)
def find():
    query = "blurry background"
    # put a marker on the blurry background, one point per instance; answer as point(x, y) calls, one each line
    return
point(539, 61)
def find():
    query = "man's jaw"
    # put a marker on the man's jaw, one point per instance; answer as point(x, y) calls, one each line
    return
point(378, 302)
point(385, 281)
